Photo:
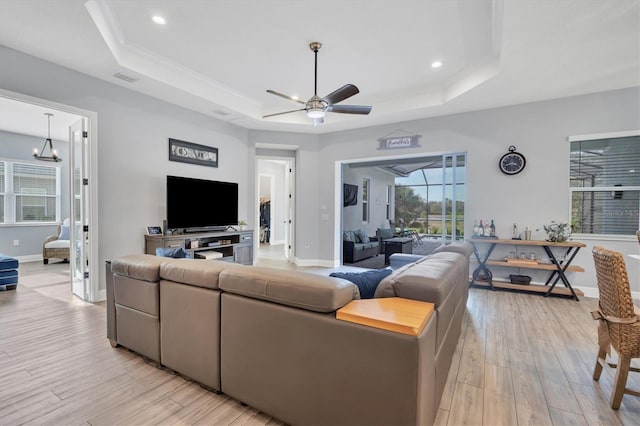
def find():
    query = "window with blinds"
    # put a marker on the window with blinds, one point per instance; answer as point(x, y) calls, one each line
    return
point(35, 192)
point(605, 186)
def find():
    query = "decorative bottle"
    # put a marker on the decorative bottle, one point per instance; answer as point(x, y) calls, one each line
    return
point(481, 229)
point(475, 228)
point(487, 229)
point(492, 229)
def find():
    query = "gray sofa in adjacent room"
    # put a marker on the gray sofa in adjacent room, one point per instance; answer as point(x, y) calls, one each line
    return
point(356, 246)
point(270, 338)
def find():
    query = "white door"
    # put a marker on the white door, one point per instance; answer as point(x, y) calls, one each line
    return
point(79, 200)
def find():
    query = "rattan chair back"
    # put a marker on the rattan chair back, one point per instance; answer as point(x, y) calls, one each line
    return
point(615, 300)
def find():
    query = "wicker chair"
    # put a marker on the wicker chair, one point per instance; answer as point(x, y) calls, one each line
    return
point(619, 322)
point(54, 252)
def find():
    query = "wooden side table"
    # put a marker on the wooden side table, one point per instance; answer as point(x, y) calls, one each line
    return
point(397, 314)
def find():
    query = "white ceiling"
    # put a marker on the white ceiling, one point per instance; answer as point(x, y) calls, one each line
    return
point(219, 57)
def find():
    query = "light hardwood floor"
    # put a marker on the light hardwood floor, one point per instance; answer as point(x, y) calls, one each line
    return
point(521, 359)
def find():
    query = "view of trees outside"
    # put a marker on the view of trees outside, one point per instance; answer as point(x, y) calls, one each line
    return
point(426, 195)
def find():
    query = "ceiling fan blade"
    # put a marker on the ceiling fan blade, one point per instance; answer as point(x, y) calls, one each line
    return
point(285, 112)
point(341, 94)
point(349, 109)
point(273, 92)
point(317, 121)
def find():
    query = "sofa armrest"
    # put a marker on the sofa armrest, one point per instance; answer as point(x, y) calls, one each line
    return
point(348, 245)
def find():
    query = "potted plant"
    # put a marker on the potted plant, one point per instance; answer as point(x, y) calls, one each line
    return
point(557, 232)
point(242, 225)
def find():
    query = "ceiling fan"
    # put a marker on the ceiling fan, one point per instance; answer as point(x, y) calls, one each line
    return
point(316, 107)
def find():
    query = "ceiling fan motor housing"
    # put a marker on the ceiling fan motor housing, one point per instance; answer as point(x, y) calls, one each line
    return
point(316, 103)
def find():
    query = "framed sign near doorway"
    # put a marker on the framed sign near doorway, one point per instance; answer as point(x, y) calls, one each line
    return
point(187, 152)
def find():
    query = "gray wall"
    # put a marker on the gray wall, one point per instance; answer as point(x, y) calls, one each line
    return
point(132, 148)
point(378, 181)
point(133, 133)
point(17, 147)
point(534, 197)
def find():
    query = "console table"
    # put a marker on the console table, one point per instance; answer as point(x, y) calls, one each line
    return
point(234, 246)
point(396, 245)
point(557, 266)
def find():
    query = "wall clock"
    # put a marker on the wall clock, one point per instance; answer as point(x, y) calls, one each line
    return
point(512, 162)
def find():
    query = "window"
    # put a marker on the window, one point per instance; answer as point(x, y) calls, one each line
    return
point(30, 192)
point(605, 185)
point(429, 197)
point(365, 200)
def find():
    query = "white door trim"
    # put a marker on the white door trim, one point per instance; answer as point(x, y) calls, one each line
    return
point(92, 126)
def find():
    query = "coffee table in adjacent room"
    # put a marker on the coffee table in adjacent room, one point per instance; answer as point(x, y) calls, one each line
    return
point(396, 245)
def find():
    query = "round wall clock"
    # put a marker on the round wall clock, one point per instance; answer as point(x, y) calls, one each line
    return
point(512, 162)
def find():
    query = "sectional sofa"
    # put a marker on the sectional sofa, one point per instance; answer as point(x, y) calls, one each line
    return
point(270, 338)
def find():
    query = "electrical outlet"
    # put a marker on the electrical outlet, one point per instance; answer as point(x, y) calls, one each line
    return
point(16, 243)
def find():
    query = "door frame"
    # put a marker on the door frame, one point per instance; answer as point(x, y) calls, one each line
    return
point(289, 183)
point(93, 292)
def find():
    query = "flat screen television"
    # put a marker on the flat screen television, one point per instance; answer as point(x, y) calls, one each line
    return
point(200, 205)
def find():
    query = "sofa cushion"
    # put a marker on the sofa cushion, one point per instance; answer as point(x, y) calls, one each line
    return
point(384, 233)
point(173, 252)
point(430, 279)
point(57, 244)
point(361, 237)
point(144, 267)
point(64, 232)
point(197, 272)
point(349, 236)
point(367, 281)
point(292, 288)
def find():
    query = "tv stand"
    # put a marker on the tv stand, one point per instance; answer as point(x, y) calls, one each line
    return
point(234, 246)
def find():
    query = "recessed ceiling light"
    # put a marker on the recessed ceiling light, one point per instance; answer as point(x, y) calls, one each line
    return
point(158, 20)
point(294, 97)
point(436, 64)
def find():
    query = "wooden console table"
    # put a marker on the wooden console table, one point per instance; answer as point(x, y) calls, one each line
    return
point(558, 267)
point(404, 316)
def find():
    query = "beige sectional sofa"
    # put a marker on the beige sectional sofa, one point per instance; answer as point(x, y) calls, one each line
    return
point(270, 338)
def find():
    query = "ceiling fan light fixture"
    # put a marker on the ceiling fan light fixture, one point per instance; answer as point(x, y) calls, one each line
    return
point(315, 113)
point(53, 154)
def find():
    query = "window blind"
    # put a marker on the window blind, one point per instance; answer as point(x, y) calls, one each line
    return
point(34, 179)
point(613, 164)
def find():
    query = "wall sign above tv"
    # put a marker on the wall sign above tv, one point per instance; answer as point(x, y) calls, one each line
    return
point(187, 152)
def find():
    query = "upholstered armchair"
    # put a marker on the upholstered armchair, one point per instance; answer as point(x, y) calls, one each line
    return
point(57, 246)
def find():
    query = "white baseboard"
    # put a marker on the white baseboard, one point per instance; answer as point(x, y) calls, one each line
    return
point(593, 292)
point(101, 296)
point(30, 258)
point(316, 262)
point(588, 291)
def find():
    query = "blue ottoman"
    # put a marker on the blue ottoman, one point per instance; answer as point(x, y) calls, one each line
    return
point(8, 272)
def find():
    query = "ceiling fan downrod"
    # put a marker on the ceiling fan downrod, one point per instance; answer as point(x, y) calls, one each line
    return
point(315, 46)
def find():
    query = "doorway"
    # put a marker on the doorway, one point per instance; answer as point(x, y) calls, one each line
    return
point(76, 195)
point(275, 213)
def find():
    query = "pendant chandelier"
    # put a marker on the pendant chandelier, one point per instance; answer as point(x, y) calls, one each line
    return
point(53, 154)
